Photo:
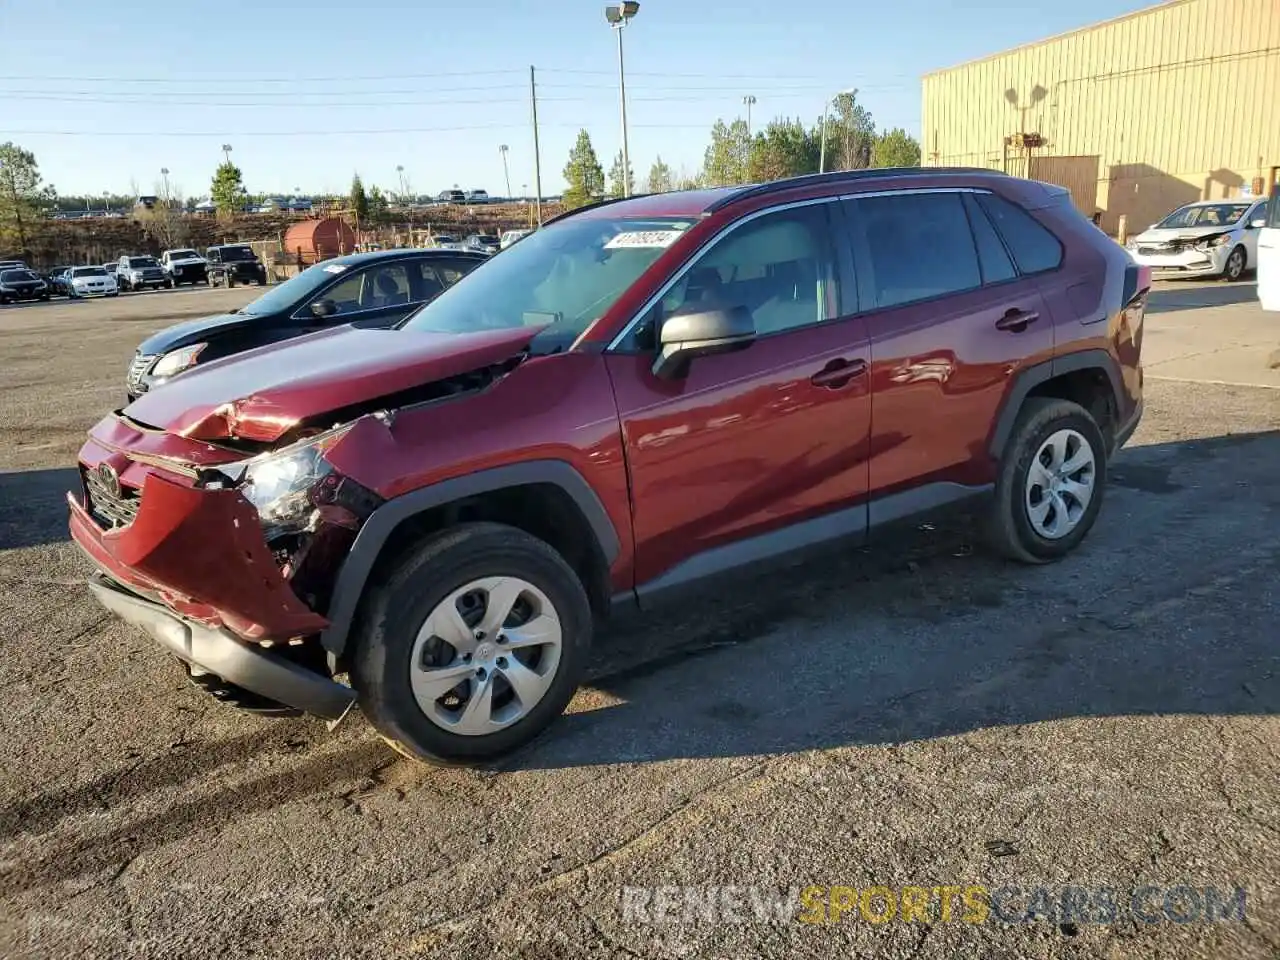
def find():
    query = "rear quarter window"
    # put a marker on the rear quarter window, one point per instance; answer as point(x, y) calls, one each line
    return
point(1034, 248)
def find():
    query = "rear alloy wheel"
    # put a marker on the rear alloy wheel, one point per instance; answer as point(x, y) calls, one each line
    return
point(472, 645)
point(1235, 265)
point(1051, 481)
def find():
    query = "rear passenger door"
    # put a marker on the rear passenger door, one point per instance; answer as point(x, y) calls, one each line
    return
point(950, 317)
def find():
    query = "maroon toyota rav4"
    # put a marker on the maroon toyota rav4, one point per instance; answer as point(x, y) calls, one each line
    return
point(639, 396)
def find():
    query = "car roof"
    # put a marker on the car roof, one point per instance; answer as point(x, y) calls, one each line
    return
point(697, 203)
point(355, 259)
point(1215, 203)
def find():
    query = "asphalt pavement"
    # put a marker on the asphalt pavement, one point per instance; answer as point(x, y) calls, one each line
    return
point(917, 715)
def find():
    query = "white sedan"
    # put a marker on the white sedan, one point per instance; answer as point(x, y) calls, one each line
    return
point(91, 282)
point(1217, 238)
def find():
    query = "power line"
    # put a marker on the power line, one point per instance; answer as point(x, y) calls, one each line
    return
point(256, 104)
point(215, 134)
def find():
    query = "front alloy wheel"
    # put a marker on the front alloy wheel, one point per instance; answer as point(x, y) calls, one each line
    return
point(1234, 269)
point(485, 656)
point(471, 645)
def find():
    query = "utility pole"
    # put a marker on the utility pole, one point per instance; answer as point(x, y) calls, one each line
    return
point(750, 101)
point(226, 152)
point(537, 155)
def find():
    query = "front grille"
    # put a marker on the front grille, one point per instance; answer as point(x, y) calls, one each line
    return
point(141, 364)
point(111, 510)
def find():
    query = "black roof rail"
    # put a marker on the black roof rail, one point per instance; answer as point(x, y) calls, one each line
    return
point(841, 176)
point(592, 206)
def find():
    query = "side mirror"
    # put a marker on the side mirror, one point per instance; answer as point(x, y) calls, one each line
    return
point(323, 309)
point(701, 332)
point(1258, 222)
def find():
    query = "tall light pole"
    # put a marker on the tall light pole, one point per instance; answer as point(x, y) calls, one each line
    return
point(750, 101)
point(506, 173)
point(826, 110)
point(226, 152)
point(618, 17)
point(164, 172)
point(400, 174)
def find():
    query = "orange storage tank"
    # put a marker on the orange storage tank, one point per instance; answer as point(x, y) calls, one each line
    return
point(315, 240)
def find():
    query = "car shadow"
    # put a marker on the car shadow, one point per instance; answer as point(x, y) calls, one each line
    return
point(33, 510)
point(928, 637)
point(1199, 293)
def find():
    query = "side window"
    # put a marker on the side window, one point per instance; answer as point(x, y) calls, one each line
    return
point(346, 295)
point(1034, 248)
point(431, 278)
point(917, 246)
point(993, 258)
point(779, 267)
point(388, 286)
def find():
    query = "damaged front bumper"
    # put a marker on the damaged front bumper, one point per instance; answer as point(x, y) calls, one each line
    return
point(220, 652)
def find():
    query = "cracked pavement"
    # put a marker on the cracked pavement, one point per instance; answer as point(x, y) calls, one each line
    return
point(918, 715)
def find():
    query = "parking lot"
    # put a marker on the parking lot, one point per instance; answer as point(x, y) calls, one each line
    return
point(921, 715)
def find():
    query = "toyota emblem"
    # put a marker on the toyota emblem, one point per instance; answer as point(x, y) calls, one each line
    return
point(109, 479)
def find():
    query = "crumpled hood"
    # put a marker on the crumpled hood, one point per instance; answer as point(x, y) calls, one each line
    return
point(1165, 234)
point(264, 393)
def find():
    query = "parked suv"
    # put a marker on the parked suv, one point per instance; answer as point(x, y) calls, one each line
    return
point(1269, 253)
point(183, 266)
point(372, 289)
point(140, 273)
point(639, 396)
point(234, 263)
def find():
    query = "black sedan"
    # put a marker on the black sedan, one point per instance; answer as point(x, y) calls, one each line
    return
point(370, 289)
point(22, 285)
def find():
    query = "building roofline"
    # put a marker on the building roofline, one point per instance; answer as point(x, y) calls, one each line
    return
point(1163, 5)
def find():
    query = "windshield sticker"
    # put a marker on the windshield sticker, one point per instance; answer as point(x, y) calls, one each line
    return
point(335, 268)
point(649, 239)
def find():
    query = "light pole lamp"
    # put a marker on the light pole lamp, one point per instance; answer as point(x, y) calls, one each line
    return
point(226, 152)
point(164, 172)
point(750, 101)
point(619, 16)
point(506, 173)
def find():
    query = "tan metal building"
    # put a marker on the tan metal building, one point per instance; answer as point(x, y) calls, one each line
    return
point(1137, 116)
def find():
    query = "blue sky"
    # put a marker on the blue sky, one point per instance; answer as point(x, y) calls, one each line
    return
point(309, 93)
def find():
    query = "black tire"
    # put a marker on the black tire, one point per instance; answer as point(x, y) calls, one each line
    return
point(231, 281)
point(1009, 529)
point(169, 284)
point(44, 297)
point(397, 606)
point(1235, 266)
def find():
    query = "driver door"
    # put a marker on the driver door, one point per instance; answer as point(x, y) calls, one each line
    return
point(727, 462)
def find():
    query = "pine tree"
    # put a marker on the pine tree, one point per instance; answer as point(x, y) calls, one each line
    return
point(583, 174)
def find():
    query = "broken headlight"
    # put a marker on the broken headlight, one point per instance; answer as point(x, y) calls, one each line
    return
point(281, 484)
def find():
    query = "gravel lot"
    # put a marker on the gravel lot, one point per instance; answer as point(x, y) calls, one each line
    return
point(923, 715)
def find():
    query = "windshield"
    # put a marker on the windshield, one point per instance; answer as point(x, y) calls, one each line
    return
point(12, 276)
point(183, 255)
point(1206, 215)
point(237, 253)
point(294, 289)
point(565, 276)
point(88, 272)
point(143, 262)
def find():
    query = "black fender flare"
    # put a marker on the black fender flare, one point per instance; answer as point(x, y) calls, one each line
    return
point(1026, 380)
point(354, 573)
